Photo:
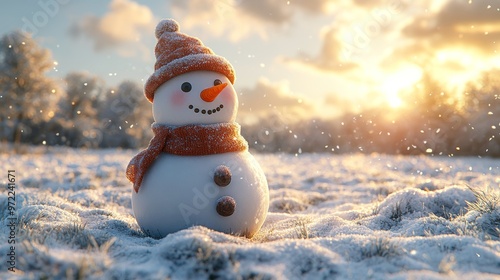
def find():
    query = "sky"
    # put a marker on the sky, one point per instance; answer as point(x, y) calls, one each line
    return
point(297, 58)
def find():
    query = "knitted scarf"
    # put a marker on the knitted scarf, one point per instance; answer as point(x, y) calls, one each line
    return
point(189, 140)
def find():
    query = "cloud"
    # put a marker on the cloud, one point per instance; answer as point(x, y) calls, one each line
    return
point(473, 24)
point(358, 26)
point(315, 6)
point(333, 56)
point(124, 23)
point(337, 104)
point(267, 10)
point(218, 18)
point(267, 98)
point(280, 12)
point(371, 45)
point(455, 41)
point(238, 19)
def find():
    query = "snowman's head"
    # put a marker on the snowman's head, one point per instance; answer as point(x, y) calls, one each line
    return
point(198, 97)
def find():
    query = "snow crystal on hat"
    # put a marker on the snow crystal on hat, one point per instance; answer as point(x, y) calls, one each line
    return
point(166, 25)
point(177, 53)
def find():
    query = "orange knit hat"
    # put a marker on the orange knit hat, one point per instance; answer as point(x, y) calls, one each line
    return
point(177, 53)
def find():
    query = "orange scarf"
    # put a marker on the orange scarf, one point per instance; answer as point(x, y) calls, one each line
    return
point(188, 140)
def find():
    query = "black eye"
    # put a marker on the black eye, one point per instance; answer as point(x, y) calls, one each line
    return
point(186, 87)
point(217, 82)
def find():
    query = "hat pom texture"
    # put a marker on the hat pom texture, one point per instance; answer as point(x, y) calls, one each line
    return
point(166, 25)
point(177, 53)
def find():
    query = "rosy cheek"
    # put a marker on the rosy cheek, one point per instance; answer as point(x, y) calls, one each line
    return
point(227, 97)
point(178, 98)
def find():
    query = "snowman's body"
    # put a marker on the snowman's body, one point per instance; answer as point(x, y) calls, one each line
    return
point(179, 192)
point(182, 191)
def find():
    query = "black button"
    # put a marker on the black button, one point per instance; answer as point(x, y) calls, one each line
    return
point(226, 206)
point(222, 176)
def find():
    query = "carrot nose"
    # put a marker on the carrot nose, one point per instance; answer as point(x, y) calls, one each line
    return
point(209, 94)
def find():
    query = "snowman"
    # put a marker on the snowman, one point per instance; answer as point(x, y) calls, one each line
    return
point(197, 169)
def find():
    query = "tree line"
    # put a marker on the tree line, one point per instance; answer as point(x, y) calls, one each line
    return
point(433, 122)
point(83, 112)
point(79, 112)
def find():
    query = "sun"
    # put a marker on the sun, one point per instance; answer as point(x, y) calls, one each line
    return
point(394, 101)
point(390, 90)
point(397, 81)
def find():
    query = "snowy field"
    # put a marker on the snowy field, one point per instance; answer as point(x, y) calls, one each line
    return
point(331, 217)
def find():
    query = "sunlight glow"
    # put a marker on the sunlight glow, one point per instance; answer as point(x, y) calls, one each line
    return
point(394, 101)
point(455, 68)
point(485, 28)
point(398, 81)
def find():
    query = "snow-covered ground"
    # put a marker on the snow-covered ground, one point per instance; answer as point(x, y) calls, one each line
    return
point(331, 217)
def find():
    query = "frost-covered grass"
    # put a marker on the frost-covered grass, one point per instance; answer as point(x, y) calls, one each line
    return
point(331, 217)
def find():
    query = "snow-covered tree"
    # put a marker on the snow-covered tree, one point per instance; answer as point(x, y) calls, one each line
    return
point(126, 116)
point(482, 106)
point(78, 109)
point(27, 96)
point(432, 119)
point(82, 95)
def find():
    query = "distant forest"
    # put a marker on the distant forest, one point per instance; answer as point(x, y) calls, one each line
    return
point(81, 111)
